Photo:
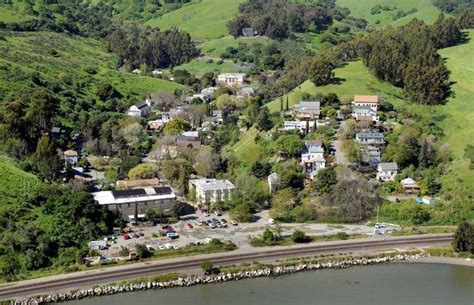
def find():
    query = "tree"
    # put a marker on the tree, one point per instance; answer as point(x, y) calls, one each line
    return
point(242, 212)
point(163, 101)
point(143, 171)
point(321, 70)
point(325, 178)
point(47, 160)
point(263, 121)
point(290, 144)
point(230, 103)
point(142, 251)
point(464, 238)
point(261, 169)
point(176, 127)
point(135, 136)
point(206, 162)
point(268, 235)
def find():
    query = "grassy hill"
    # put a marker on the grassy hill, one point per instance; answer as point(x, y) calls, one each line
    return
point(57, 58)
point(14, 182)
point(204, 20)
point(361, 9)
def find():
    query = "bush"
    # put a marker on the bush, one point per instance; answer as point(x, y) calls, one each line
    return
point(342, 235)
point(207, 267)
point(142, 251)
point(300, 237)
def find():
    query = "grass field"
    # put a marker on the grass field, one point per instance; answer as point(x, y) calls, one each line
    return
point(246, 150)
point(199, 67)
point(216, 47)
point(354, 78)
point(54, 56)
point(204, 20)
point(361, 9)
point(14, 182)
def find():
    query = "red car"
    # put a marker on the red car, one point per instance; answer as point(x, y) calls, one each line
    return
point(190, 226)
point(126, 236)
point(168, 228)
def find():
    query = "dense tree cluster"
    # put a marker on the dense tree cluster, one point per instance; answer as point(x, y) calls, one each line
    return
point(454, 6)
point(139, 45)
point(278, 19)
point(51, 228)
point(407, 57)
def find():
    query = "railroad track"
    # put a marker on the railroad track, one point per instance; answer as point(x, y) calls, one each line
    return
point(110, 274)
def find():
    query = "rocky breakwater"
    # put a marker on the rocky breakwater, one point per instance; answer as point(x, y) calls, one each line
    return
point(212, 279)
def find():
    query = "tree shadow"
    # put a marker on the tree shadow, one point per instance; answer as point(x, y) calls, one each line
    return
point(337, 80)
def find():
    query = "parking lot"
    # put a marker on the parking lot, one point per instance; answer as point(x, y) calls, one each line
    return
point(238, 234)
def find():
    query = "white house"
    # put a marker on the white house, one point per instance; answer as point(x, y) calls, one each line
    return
point(231, 79)
point(140, 109)
point(370, 138)
point(137, 201)
point(371, 101)
point(387, 171)
point(364, 113)
point(211, 190)
point(298, 125)
point(313, 158)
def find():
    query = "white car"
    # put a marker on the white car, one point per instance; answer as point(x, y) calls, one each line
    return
point(271, 221)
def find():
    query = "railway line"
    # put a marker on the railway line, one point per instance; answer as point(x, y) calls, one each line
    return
point(111, 274)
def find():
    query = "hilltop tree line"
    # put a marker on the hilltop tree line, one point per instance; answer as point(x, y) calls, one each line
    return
point(278, 19)
point(134, 43)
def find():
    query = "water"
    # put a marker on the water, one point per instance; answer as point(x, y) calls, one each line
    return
point(395, 284)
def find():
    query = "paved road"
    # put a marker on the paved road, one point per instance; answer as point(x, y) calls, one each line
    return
point(113, 274)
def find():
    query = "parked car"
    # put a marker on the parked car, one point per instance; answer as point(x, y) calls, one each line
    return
point(271, 221)
point(211, 225)
point(150, 248)
point(172, 235)
point(168, 246)
point(190, 226)
point(223, 220)
point(234, 223)
point(141, 234)
point(126, 236)
point(168, 228)
point(161, 247)
point(136, 235)
point(198, 223)
point(217, 213)
point(205, 213)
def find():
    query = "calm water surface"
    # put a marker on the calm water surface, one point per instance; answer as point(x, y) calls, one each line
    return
point(395, 284)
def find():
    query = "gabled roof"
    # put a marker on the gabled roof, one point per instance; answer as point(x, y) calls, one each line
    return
point(377, 135)
point(313, 142)
point(388, 166)
point(307, 105)
point(366, 99)
point(141, 105)
point(408, 181)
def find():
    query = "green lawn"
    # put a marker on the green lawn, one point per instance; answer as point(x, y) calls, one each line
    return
point(361, 9)
point(199, 67)
point(204, 20)
point(246, 150)
point(52, 56)
point(216, 47)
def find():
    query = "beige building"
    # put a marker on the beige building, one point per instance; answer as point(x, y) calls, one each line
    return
point(211, 190)
point(371, 101)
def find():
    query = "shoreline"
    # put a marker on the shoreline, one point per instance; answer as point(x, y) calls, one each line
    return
point(226, 276)
point(458, 261)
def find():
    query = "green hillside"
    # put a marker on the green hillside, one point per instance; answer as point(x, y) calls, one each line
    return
point(204, 20)
point(425, 10)
point(58, 58)
point(15, 183)
point(458, 124)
